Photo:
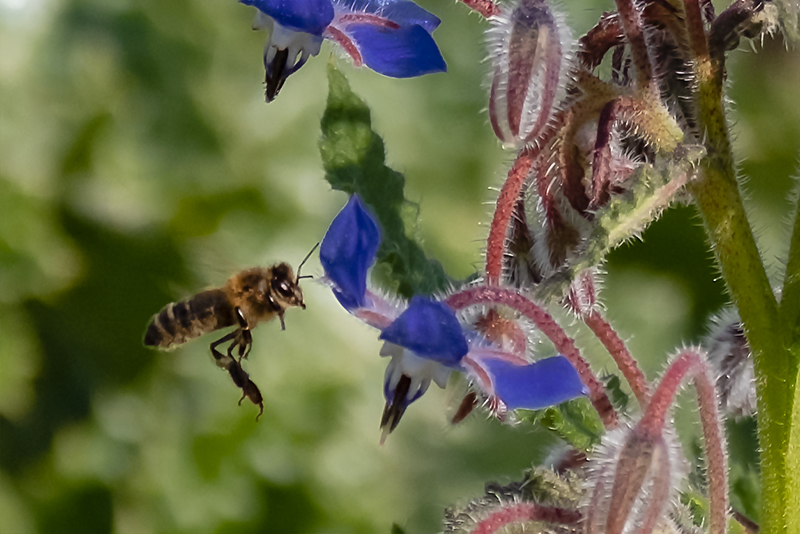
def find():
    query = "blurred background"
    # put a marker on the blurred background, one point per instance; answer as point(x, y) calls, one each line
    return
point(139, 164)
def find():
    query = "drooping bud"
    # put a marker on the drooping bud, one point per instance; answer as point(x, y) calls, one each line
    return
point(530, 48)
point(638, 472)
point(632, 481)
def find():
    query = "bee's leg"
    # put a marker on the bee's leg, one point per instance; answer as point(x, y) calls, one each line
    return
point(239, 376)
point(221, 359)
point(245, 343)
point(280, 316)
point(244, 340)
point(249, 389)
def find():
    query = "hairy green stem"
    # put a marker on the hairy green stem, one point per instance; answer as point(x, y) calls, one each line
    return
point(717, 196)
point(790, 295)
point(790, 315)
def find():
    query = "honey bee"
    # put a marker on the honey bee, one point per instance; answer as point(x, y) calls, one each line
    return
point(248, 298)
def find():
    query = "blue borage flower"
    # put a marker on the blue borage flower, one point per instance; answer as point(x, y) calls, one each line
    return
point(392, 37)
point(424, 338)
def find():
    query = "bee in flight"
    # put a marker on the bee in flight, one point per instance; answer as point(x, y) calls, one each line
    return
point(249, 297)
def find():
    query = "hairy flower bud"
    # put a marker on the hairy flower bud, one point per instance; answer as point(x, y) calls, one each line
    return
point(632, 481)
point(530, 48)
point(542, 503)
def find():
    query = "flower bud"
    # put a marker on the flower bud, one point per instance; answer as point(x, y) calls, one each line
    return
point(542, 503)
point(530, 48)
point(633, 480)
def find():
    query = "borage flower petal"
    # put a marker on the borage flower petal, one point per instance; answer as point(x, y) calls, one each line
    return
point(310, 16)
point(391, 37)
point(402, 13)
point(347, 252)
point(430, 329)
point(397, 53)
point(537, 385)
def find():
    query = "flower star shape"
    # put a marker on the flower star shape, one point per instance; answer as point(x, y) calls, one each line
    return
point(392, 37)
point(424, 337)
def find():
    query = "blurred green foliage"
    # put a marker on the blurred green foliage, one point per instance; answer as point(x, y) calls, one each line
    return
point(139, 164)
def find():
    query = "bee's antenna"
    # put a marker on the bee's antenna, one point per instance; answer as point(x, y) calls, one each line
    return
point(303, 263)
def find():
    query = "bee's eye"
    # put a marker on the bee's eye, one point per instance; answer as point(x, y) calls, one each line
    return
point(284, 289)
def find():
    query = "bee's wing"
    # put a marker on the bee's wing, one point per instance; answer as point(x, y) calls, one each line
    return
point(212, 261)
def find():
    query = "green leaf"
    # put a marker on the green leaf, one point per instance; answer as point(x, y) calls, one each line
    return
point(618, 397)
point(575, 421)
point(353, 156)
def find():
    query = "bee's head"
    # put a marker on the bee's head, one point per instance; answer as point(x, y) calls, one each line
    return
point(285, 287)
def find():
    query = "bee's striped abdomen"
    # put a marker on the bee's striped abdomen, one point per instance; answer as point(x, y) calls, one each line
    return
point(179, 322)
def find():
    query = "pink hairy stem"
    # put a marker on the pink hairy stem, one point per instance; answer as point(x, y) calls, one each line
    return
point(486, 8)
point(368, 18)
point(491, 295)
point(697, 33)
point(526, 511)
point(338, 36)
point(691, 364)
point(561, 237)
point(616, 347)
point(632, 24)
point(601, 161)
point(509, 193)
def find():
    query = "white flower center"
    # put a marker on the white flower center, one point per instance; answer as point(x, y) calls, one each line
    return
point(300, 45)
point(420, 370)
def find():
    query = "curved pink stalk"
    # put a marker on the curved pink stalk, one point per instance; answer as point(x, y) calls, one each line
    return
point(690, 364)
point(616, 347)
point(526, 511)
point(509, 193)
point(601, 161)
point(634, 30)
point(490, 295)
point(345, 42)
point(582, 300)
point(696, 29)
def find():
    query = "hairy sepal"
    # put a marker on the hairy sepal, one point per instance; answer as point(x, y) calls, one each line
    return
point(531, 50)
point(633, 482)
point(652, 188)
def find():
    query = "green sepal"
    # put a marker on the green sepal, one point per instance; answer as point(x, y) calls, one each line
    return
point(655, 187)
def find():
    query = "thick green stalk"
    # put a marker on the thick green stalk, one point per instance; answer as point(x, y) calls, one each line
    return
point(716, 193)
point(790, 296)
point(790, 322)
